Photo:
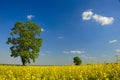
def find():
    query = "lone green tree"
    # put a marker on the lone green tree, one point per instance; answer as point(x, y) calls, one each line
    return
point(26, 41)
point(77, 60)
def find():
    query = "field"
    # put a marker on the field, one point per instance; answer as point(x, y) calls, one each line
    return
point(83, 72)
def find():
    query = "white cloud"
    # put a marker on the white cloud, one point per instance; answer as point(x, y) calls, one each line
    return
point(117, 50)
point(45, 53)
point(87, 15)
point(60, 37)
point(112, 41)
point(42, 54)
point(48, 52)
point(77, 52)
point(88, 57)
point(29, 17)
point(103, 20)
point(42, 29)
point(74, 52)
point(66, 52)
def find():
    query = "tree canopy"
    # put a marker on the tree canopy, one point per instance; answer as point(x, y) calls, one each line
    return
point(26, 41)
point(77, 60)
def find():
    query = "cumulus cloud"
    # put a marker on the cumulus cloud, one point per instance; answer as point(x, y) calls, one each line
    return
point(29, 17)
point(77, 52)
point(87, 15)
point(103, 20)
point(112, 41)
point(74, 52)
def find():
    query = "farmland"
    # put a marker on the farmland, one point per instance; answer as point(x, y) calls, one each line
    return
point(83, 72)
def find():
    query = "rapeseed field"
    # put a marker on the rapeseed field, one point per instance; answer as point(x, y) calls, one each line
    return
point(83, 72)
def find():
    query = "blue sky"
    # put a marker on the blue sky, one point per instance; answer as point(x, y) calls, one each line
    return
point(89, 29)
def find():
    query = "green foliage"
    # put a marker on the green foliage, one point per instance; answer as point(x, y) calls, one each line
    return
point(26, 41)
point(77, 60)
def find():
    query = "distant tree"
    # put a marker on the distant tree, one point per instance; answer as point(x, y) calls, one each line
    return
point(77, 60)
point(26, 41)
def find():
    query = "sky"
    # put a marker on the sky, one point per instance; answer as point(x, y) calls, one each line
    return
point(89, 29)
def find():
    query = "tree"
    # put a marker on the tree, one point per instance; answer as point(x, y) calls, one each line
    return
point(26, 41)
point(77, 60)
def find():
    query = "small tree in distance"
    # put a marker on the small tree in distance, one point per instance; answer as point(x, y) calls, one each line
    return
point(26, 41)
point(77, 60)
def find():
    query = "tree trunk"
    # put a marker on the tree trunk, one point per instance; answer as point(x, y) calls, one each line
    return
point(23, 61)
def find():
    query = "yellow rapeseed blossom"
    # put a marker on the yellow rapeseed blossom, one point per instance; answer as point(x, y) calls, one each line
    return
point(83, 72)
